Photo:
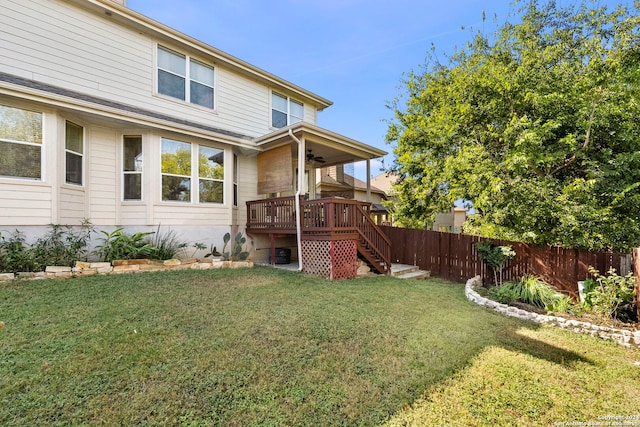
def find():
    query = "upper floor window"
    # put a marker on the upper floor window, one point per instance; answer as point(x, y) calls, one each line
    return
point(184, 78)
point(20, 143)
point(132, 168)
point(74, 153)
point(285, 111)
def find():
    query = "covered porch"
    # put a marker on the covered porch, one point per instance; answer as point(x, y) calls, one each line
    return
point(331, 234)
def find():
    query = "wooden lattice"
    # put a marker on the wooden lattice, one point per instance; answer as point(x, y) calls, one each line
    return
point(315, 258)
point(331, 259)
point(344, 259)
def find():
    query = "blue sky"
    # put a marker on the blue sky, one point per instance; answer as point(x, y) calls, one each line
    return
point(352, 52)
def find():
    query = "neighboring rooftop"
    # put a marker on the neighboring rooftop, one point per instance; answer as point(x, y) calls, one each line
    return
point(385, 181)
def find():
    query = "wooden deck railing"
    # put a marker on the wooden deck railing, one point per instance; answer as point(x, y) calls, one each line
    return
point(272, 215)
point(322, 219)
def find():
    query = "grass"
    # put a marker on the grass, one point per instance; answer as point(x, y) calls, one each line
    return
point(268, 347)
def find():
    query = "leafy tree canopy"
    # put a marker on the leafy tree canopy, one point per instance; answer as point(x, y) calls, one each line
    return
point(537, 126)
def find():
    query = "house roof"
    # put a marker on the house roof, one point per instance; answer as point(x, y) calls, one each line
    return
point(336, 149)
point(349, 182)
point(105, 110)
point(123, 15)
point(97, 101)
point(385, 182)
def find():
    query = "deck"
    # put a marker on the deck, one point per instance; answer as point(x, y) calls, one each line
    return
point(323, 219)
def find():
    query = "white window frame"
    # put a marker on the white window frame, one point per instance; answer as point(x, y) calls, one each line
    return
point(289, 113)
point(194, 177)
point(235, 180)
point(133, 172)
point(28, 143)
point(175, 175)
point(187, 78)
point(202, 178)
point(75, 153)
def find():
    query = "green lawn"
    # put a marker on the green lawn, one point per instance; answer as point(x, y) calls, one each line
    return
point(268, 347)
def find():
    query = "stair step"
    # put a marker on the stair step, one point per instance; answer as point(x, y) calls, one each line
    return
point(402, 271)
point(420, 274)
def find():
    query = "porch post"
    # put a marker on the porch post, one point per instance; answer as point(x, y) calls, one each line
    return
point(272, 254)
point(368, 180)
point(302, 148)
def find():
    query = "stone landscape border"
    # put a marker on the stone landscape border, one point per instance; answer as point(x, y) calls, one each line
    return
point(126, 266)
point(621, 336)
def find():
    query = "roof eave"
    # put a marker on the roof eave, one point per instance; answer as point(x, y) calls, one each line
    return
point(367, 152)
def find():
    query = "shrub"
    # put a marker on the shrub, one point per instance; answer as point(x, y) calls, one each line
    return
point(611, 296)
point(504, 294)
point(532, 290)
point(535, 291)
point(15, 254)
point(165, 244)
point(62, 245)
point(118, 245)
point(495, 257)
point(562, 304)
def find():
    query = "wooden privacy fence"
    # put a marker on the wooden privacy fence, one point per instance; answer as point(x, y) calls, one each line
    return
point(454, 257)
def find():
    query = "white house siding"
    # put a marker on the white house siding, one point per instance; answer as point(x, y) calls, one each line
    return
point(24, 202)
point(103, 180)
point(176, 213)
point(133, 213)
point(56, 43)
point(310, 113)
point(72, 210)
point(243, 104)
point(247, 185)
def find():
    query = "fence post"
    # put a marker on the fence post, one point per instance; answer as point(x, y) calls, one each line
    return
point(636, 270)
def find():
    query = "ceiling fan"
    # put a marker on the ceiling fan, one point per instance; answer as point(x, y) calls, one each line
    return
point(312, 158)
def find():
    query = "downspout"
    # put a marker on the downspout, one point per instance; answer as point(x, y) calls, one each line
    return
point(301, 159)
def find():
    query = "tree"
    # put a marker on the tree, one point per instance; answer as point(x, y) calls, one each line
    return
point(495, 257)
point(536, 127)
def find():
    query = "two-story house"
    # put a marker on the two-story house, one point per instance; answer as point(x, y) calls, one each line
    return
point(110, 116)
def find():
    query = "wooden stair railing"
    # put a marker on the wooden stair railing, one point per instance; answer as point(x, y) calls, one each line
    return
point(373, 244)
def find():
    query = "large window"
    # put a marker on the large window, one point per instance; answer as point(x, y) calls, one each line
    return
point(132, 168)
point(285, 111)
point(20, 143)
point(178, 172)
point(211, 175)
point(184, 78)
point(74, 153)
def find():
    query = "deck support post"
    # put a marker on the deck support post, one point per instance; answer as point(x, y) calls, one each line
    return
point(273, 249)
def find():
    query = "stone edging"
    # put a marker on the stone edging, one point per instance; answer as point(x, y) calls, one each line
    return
point(126, 266)
point(620, 336)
